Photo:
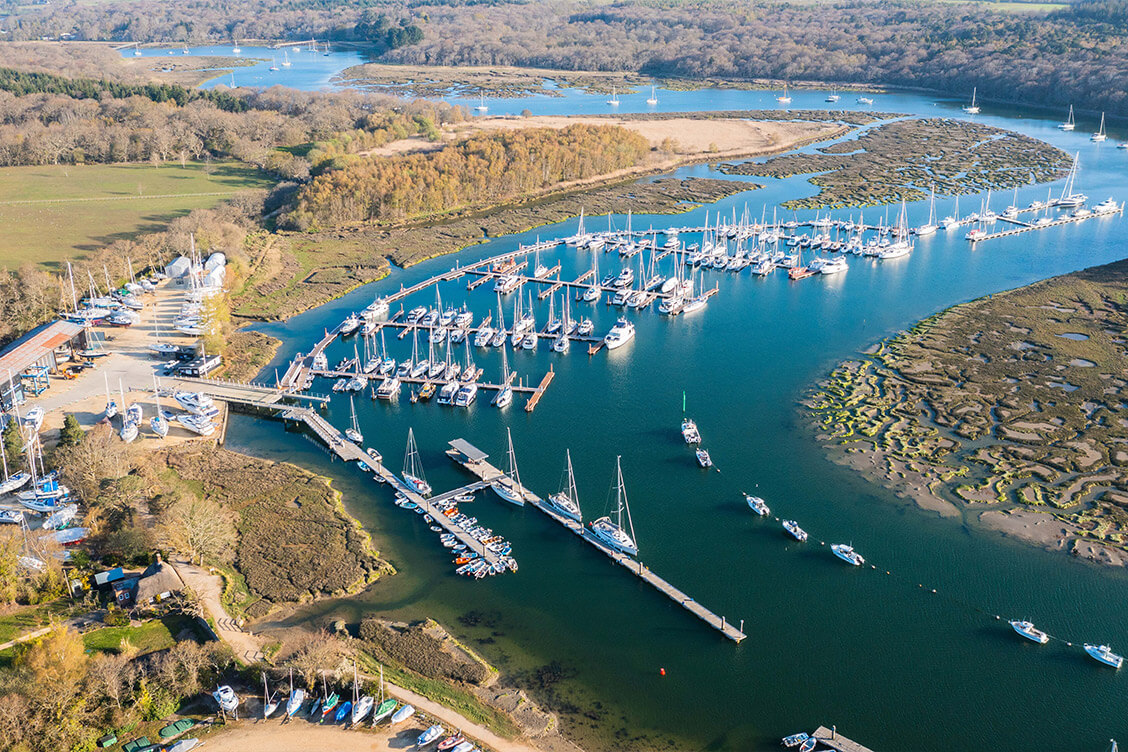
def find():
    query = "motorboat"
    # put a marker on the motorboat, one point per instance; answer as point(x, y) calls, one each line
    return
point(703, 458)
point(226, 698)
point(389, 388)
point(1104, 654)
point(430, 735)
point(620, 334)
point(792, 527)
point(690, 432)
point(757, 505)
point(847, 554)
point(1029, 631)
point(466, 395)
point(834, 266)
point(350, 324)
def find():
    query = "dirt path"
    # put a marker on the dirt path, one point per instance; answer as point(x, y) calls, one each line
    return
point(209, 587)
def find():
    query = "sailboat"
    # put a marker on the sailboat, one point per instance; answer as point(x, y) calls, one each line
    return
point(1069, 123)
point(387, 705)
point(509, 486)
point(158, 422)
point(653, 97)
point(614, 100)
point(784, 98)
point(362, 706)
point(129, 426)
point(504, 395)
point(611, 532)
point(833, 96)
point(297, 697)
point(567, 502)
point(273, 63)
point(929, 228)
point(11, 482)
point(111, 406)
point(353, 431)
point(269, 704)
point(481, 103)
point(1069, 198)
point(413, 468)
point(1100, 134)
point(973, 108)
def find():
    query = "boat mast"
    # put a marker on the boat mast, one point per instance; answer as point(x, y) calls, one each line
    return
point(512, 472)
point(623, 505)
point(571, 480)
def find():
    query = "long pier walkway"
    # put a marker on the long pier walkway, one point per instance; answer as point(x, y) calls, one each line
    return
point(474, 460)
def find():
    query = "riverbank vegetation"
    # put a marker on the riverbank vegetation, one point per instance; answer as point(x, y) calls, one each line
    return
point(1010, 402)
point(904, 159)
point(295, 541)
point(480, 171)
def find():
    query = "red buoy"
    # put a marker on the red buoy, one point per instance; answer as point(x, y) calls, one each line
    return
point(661, 672)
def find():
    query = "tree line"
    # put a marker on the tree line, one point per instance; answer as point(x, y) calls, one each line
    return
point(480, 171)
point(51, 120)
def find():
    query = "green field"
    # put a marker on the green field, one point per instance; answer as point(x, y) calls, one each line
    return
point(157, 634)
point(53, 213)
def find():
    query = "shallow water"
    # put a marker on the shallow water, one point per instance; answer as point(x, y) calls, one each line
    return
point(876, 652)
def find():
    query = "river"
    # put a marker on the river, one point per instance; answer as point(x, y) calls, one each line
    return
point(874, 651)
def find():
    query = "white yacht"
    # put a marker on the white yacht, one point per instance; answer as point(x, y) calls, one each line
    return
point(1100, 135)
point(834, 266)
point(757, 505)
point(847, 554)
point(1069, 123)
point(466, 395)
point(611, 532)
point(690, 432)
point(567, 501)
point(509, 486)
point(1108, 206)
point(1104, 654)
point(389, 388)
point(413, 468)
point(784, 98)
point(620, 334)
point(833, 97)
point(703, 458)
point(973, 108)
point(1029, 631)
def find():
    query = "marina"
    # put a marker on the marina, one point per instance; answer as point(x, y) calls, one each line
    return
point(766, 337)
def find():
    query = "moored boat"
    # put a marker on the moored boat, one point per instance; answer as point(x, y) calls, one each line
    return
point(796, 532)
point(1104, 654)
point(847, 554)
point(1029, 631)
point(757, 505)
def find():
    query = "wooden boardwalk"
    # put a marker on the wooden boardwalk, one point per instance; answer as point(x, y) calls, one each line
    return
point(539, 391)
point(831, 738)
point(489, 473)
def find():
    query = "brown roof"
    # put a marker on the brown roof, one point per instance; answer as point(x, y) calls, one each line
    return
point(159, 578)
point(37, 345)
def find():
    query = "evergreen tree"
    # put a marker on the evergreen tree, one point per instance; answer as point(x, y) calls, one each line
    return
point(72, 433)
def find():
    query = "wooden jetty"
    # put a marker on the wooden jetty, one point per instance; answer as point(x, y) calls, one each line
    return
point(474, 460)
point(539, 391)
point(831, 738)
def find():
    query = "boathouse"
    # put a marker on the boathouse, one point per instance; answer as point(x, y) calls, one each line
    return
point(26, 363)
